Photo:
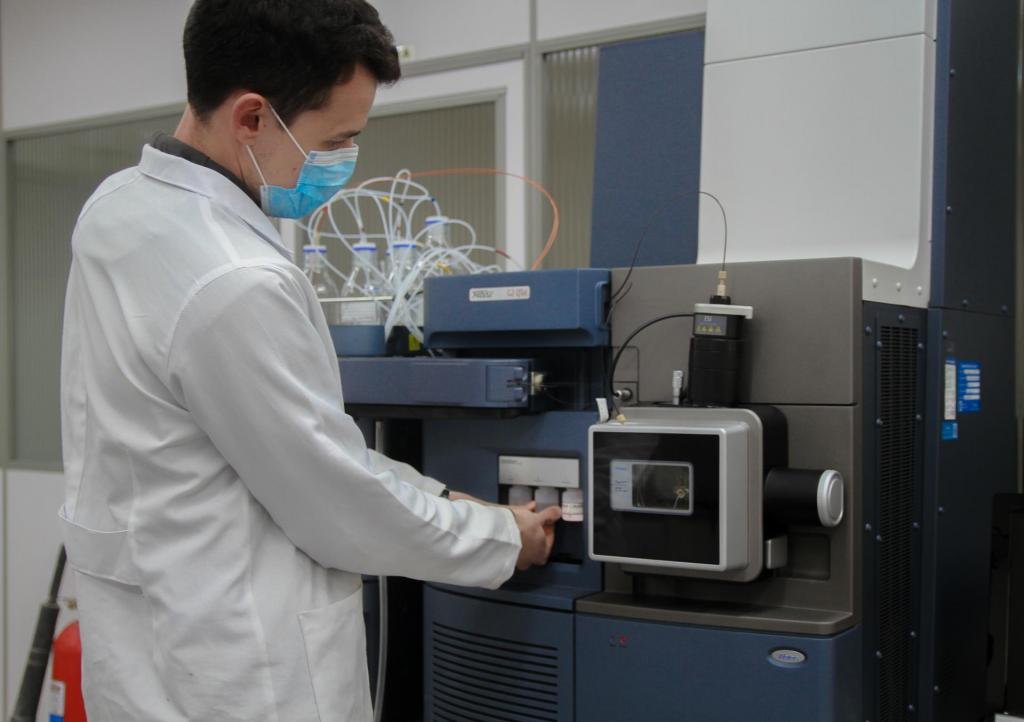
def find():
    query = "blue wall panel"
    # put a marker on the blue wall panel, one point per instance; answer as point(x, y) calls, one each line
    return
point(647, 155)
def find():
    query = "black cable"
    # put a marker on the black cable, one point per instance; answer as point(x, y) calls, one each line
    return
point(612, 303)
point(725, 224)
point(657, 213)
point(625, 344)
point(643, 234)
point(614, 298)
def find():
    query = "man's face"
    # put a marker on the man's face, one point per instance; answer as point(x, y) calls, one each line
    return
point(330, 127)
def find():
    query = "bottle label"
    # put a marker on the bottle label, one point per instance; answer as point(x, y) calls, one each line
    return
point(572, 511)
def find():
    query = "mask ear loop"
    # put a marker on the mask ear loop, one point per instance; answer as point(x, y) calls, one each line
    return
point(256, 165)
point(286, 130)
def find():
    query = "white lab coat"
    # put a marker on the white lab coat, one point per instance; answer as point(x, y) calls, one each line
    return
point(220, 503)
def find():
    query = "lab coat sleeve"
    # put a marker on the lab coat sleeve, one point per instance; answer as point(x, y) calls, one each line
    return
point(249, 365)
point(380, 463)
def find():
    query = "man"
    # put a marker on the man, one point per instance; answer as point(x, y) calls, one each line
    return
point(220, 504)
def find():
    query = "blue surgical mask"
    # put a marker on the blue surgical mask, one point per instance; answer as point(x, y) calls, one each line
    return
point(323, 174)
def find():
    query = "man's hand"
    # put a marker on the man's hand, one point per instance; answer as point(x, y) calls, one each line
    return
point(537, 532)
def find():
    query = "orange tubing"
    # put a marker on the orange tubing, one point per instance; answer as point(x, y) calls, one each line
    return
point(529, 181)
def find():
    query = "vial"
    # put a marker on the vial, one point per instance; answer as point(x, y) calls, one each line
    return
point(437, 231)
point(546, 496)
point(519, 495)
point(572, 505)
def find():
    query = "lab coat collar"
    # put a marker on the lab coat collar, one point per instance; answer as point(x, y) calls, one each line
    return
point(211, 184)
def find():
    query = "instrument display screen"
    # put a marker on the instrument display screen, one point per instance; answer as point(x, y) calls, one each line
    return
point(651, 486)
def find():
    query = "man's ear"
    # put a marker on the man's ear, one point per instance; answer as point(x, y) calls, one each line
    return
point(250, 113)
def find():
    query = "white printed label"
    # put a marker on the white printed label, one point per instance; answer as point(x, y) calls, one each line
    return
point(359, 313)
point(539, 471)
point(572, 505)
point(949, 411)
point(57, 694)
point(501, 293)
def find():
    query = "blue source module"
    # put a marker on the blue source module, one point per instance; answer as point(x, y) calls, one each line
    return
point(529, 309)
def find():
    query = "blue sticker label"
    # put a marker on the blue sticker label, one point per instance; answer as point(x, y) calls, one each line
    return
point(949, 431)
point(968, 387)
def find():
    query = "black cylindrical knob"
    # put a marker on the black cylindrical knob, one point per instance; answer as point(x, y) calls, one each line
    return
point(804, 496)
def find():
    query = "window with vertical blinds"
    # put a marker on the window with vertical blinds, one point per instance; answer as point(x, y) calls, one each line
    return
point(49, 179)
point(570, 100)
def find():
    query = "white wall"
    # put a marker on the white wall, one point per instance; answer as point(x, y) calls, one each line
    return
point(453, 27)
point(442, 28)
point(817, 136)
point(561, 18)
point(749, 29)
point(64, 60)
point(67, 59)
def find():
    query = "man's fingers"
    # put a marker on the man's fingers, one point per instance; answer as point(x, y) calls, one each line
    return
point(550, 515)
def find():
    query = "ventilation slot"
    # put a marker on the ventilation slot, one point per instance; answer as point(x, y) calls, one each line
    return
point(480, 678)
point(897, 397)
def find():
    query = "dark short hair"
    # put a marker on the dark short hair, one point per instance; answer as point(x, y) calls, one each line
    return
point(290, 51)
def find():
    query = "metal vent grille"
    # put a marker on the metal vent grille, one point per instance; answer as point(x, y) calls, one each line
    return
point(481, 678)
point(898, 375)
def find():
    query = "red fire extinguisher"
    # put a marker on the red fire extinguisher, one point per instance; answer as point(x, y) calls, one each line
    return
point(66, 703)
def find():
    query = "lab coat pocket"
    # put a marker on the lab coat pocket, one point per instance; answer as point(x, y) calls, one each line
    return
point(103, 554)
point(335, 639)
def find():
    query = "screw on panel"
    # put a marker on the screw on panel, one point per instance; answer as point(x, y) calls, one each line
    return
point(920, 346)
point(879, 422)
point(878, 344)
point(949, 209)
point(920, 290)
point(878, 538)
point(913, 634)
point(901, 318)
point(945, 334)
point(952, 72)
point(965, 303)
point(867, 527)
point(910, 708)
point(936, 689)
point(878, 654)
point(867, 330)
point(916, 525)
point(1005, 309)
point(942, 510)
point(918, 417)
